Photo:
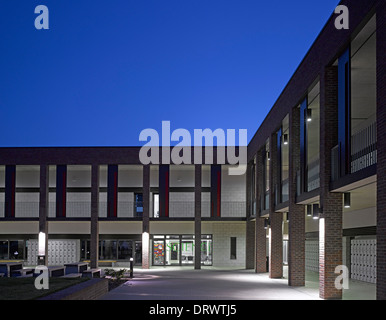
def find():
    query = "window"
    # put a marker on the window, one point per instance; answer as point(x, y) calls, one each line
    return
point(3, 250)
point(233, 248)
point(138, 205)
point(125, 250)
point(108, 250)
point(156, 205)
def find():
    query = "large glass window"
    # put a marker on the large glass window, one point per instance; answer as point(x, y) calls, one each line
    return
point(138, 204)
point(16, 249)
point(313, 137)
point(180, 250)
point(172, 250)
point(12, 250)
point(187, 244)
point(363, 98)
point(206, 250)
point(108, 250)
point(125, 250)
point(4, 250)
point(138, 252)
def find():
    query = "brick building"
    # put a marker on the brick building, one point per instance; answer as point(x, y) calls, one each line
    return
point(312, 198)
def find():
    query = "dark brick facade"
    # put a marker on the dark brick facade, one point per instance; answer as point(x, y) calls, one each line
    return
point(276, 218)
point(296, 225)
point(381, 149)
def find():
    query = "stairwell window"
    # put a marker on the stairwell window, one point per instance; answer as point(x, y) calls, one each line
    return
point(233, 248)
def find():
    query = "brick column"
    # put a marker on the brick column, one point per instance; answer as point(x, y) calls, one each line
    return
point(250, 225)
point(146, 217)
point(296, 225)
point(260, 232)
point(43, 206)
point(197, 216)
point(250, 245)
point(381, 151)
point(331, 217)
point(94, 238)
point(276, 218)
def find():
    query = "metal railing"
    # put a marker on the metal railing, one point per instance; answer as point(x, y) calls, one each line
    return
point(364, 148)
point(363, 152)
point(313, 175)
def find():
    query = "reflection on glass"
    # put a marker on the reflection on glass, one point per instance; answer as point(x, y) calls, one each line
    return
point(3, 249)
point(108, 250)
point(187, 251)
point(138, 252)
point(173, 252)
point(16, 249)
point(125, 250)
point(206, 252)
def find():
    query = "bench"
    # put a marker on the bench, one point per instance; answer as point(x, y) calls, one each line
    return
point(76, 267)
point(72, 275)
point(22, 272)
point(8, 267)
point(91, 273)
point(56, 271)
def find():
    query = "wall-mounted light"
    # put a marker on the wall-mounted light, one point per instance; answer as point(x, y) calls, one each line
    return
point(309, 210)
point(42, 244)
point(288, 216)
point(266, 223)
point(347, 200)
point(315, 211)
point(285, 139)
point(268, 156)
point(309, 115)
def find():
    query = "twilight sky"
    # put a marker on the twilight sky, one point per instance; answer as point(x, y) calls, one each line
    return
point(106, 70)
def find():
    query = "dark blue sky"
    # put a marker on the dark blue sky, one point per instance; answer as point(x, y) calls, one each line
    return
point(105, 70)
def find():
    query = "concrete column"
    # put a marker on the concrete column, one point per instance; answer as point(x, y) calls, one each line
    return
point(381, 151)
point(43, 205)
point(197, 215)
point(276, 218)
point(146, 218)
point(94, 238)
point(296, 225)
point(260, 232)
point(331, 217)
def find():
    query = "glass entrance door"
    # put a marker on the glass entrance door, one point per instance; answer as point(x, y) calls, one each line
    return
point(187, 252)
point(138, 253)
point(173, 250)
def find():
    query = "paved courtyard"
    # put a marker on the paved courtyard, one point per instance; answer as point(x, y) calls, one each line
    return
point(178, 283)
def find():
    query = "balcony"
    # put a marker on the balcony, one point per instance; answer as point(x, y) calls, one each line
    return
point(363, 152)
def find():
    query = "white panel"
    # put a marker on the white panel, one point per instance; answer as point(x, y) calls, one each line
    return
point(312, 255)
point(181, 204)
point(27, 205)
point(60, 252)
point(363, 260)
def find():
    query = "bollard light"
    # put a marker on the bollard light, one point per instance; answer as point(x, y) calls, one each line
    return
point(131, 267)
